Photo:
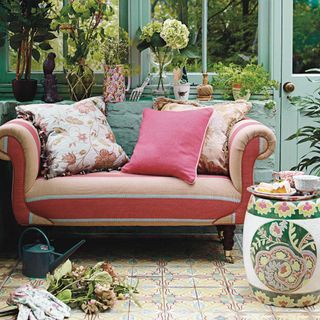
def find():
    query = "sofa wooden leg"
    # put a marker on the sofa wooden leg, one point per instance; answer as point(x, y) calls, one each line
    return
point(220, 233)
point(228, 242)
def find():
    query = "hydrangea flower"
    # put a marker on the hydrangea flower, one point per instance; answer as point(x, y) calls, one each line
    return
point(175, 34)
point(149, 29)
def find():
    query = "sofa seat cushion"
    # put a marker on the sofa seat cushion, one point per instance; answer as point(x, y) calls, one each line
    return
point(116, 198)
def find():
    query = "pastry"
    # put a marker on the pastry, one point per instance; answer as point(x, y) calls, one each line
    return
point(276, 187)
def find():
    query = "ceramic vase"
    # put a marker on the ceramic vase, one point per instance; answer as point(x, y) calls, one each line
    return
point(114, 87)
point(281, 243)
point(181, 91)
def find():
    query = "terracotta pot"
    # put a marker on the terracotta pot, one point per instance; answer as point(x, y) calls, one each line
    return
point(236, 91)
point(24, 90)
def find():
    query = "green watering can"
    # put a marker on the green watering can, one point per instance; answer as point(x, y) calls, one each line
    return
point(39, 258)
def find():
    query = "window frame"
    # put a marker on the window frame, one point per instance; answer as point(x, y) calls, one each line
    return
point(264, 25)
point(137, 14)
point(7, 76)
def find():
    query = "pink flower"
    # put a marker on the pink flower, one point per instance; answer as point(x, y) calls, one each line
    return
point(284, 207)
point(82, 137)
point(262, 205)
point(307, 206)
point(70, 158)
point(84, 108)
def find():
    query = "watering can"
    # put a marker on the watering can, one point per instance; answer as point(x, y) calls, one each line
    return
point(40, 258)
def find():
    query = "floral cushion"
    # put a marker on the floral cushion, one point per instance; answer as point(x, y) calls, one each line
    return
point(214, 157)
point(75, 138)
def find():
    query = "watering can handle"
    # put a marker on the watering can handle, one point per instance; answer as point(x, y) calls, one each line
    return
point(24, 233)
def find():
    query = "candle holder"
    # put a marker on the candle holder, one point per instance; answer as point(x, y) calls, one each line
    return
point(205, 90)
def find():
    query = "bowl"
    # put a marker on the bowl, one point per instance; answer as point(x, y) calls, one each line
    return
point(307, 183)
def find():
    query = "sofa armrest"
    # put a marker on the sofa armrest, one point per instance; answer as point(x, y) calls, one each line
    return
point(20, 143)
point(249, 140)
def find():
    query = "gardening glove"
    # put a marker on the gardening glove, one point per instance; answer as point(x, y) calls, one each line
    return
point(41, 304)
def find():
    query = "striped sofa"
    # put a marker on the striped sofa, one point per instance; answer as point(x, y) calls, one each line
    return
point(118, 199)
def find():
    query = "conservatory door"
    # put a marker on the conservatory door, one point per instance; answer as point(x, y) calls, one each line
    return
point(300, 52)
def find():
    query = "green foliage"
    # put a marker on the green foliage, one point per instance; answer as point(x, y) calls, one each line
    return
point(306, 36)
point(232, 28)
point(27, 25)
point(309, 106)
point(116, 48)
point(92, 289)
point(83, 22)
point(252, 77)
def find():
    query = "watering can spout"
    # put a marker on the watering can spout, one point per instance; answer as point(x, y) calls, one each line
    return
point(63, 257)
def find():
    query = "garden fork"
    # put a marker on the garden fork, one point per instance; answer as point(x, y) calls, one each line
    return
point(137, 92)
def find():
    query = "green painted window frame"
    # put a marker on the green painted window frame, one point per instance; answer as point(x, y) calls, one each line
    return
point(7, 76)
point(140, 14)
point(135, 14)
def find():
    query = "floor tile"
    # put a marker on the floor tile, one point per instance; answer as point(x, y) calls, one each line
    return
point(214, 300)
point(178, 279)
point(256, 316)
point(245, 302)
point(292, 316)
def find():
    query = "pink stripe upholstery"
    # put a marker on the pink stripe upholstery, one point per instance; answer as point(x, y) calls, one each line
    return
point(22, 147)
point(116, 198)
point(249, 140)
point(118, 195)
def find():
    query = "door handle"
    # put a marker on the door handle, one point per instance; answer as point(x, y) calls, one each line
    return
point(289, 87)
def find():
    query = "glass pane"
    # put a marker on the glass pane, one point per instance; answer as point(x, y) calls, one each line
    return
point(56, 44)
point(232, 31)
point(95, 61)
point(187, 11)
point(306, 35)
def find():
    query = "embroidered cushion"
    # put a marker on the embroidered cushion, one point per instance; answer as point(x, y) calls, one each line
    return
point(170, 144)
point(75, 138)
point(214, 158)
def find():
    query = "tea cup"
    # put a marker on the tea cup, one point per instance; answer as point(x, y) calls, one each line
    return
point(307, 183)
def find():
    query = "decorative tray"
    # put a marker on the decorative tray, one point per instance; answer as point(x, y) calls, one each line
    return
point(292, 196)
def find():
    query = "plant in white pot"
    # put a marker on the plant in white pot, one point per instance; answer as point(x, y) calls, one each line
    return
point(181, 85)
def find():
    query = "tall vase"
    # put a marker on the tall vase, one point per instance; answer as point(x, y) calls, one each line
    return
point(80, 80)
point(161, 58)
point(114, 86)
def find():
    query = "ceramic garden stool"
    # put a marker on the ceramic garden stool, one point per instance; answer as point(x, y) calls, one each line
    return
point(281, 243)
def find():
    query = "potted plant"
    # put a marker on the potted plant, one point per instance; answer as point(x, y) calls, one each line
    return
point(84, 23)
point(243, 81)
point(162, 38)
point(310, 107)
point(28, 29)
point(181, 85)
point(116, 51)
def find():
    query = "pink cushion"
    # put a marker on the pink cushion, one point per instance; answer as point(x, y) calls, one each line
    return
point(170, 144)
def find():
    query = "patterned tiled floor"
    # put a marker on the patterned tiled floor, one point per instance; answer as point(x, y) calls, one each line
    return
point(178, 279)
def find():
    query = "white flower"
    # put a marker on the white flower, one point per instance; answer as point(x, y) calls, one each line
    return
point(149, 29)
point(175, 34)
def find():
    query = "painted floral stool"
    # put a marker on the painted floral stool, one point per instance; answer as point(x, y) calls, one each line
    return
point(281, 243)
